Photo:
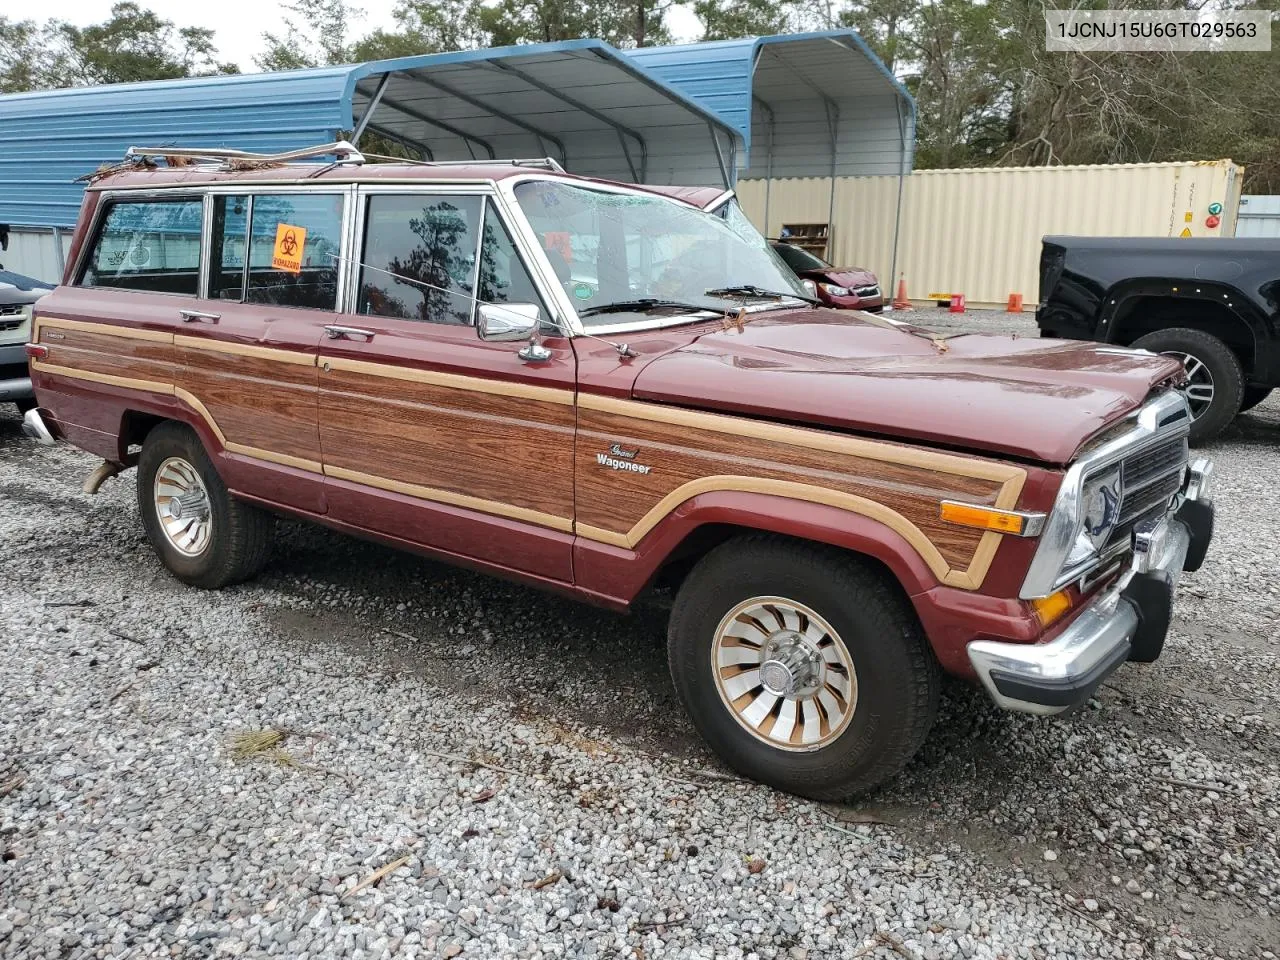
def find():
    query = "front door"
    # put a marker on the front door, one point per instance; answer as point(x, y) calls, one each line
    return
point(248, 353)
point(430, 435)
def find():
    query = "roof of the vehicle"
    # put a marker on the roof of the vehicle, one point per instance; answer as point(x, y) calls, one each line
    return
point(304, 173)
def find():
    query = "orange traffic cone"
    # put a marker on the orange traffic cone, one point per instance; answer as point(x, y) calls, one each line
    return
point(957, 303)
point(1015, 303)
point(900, 302)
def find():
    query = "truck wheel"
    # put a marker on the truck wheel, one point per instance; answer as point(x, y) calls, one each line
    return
point(202, 534)
point(804, 667)
point(1216, 383)
point(1254, 396)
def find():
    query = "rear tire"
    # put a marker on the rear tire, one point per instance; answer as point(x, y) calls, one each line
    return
point(25, 405)
point(203, 535)
point(1254, 396)
point(854, 684)
point(1216, 390)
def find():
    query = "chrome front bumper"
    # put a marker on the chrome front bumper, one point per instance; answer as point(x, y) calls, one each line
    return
point(1127, 621)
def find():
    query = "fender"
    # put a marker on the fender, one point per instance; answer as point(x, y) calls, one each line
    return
point(1122, 294)
point(621, 573)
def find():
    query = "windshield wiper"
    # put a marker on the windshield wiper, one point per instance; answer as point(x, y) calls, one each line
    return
point(642, 304)
point(751, 290)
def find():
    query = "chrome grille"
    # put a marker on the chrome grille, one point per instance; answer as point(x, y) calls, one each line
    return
point(11, 323)
point(872, 291)
point(1150, 479)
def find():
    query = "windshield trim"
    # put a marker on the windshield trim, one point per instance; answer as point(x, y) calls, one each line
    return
point(558, 298)
point(683, 319)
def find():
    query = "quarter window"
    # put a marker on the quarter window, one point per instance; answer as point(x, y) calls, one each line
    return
point(148, 245)
point(277, 248)
point(419, 257)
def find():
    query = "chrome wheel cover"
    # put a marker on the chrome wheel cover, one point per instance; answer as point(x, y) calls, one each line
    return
point(182, 507)
point(784, 674)
point(1199, 388)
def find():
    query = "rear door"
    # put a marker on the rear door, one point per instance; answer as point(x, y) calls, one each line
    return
point(430, 434)
point(248, 353)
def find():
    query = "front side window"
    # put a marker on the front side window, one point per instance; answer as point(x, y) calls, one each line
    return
point(277, 248)
point(610, 249)
point(503, 278)
point(149, 245)
point(418, 260)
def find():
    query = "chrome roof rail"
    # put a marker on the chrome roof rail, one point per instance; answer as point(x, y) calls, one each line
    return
point(342, 149)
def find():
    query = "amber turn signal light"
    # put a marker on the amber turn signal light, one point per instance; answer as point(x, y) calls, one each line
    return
point(1050, 608)
point(989, 518)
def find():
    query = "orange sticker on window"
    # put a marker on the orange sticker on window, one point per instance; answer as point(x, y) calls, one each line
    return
point(287, 255)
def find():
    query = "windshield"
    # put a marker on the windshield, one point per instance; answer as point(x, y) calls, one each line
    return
point(799, 259)
point(614, 248)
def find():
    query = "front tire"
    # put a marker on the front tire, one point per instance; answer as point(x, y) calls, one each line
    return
point(803, 667)
point(201, 533)
point(1215, 389)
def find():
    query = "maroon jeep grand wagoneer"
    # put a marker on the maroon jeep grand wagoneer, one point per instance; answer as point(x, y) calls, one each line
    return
point(592, 387)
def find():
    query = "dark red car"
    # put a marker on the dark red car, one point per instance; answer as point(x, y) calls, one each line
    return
point(845, 288)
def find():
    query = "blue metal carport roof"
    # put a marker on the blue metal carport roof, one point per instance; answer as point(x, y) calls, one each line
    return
point(806, 104)
point(581, 101)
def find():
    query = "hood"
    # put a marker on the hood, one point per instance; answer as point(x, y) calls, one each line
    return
point(1022, 397)
point(850, 277)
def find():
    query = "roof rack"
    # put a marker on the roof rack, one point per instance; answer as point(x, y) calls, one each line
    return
point(342, 149)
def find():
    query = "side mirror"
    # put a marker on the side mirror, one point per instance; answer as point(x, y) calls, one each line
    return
point(508, 322)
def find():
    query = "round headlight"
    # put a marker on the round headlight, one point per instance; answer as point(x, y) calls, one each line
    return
point(1099, 511)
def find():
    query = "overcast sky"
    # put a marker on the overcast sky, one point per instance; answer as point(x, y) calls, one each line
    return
point(238, 25)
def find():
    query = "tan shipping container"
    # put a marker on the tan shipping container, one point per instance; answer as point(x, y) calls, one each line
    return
point(977, 231)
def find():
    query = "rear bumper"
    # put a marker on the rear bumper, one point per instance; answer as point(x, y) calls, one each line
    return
point(15, 383)
point(16, 388)
point(1128, 621)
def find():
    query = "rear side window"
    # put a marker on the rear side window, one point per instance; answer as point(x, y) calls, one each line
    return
point(277, 248)
point(149, 245)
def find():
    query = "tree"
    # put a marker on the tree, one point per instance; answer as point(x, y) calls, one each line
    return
point(133, 44)
point(744, 18)
point(19, 55)
point(633, 23)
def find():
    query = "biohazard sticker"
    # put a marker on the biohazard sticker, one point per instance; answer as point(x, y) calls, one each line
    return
point(290, 241)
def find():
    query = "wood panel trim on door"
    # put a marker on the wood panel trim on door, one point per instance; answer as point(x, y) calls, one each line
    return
point(502, 388)
point(111, 329)
point(563, 524)
point(244, 350)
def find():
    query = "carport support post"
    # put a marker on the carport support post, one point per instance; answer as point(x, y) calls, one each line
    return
point(368, 111)
point(768, 163)
point(833, 118)
point(897, 217)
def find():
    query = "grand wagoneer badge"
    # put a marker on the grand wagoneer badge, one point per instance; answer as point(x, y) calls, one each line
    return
point(620, 458)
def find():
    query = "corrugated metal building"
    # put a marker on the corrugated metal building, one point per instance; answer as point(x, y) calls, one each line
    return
point(1259, 216)
point(978, 231)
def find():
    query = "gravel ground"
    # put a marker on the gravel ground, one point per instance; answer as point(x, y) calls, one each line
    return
point(525, 791)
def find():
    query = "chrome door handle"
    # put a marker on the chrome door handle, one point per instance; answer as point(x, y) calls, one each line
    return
point(191, 316)
point(346, 333)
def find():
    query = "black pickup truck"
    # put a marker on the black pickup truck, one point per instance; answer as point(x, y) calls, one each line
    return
point(1213, 303)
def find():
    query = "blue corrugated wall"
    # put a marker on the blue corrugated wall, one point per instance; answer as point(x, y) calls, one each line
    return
point(52, 137)
point(716, 75)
